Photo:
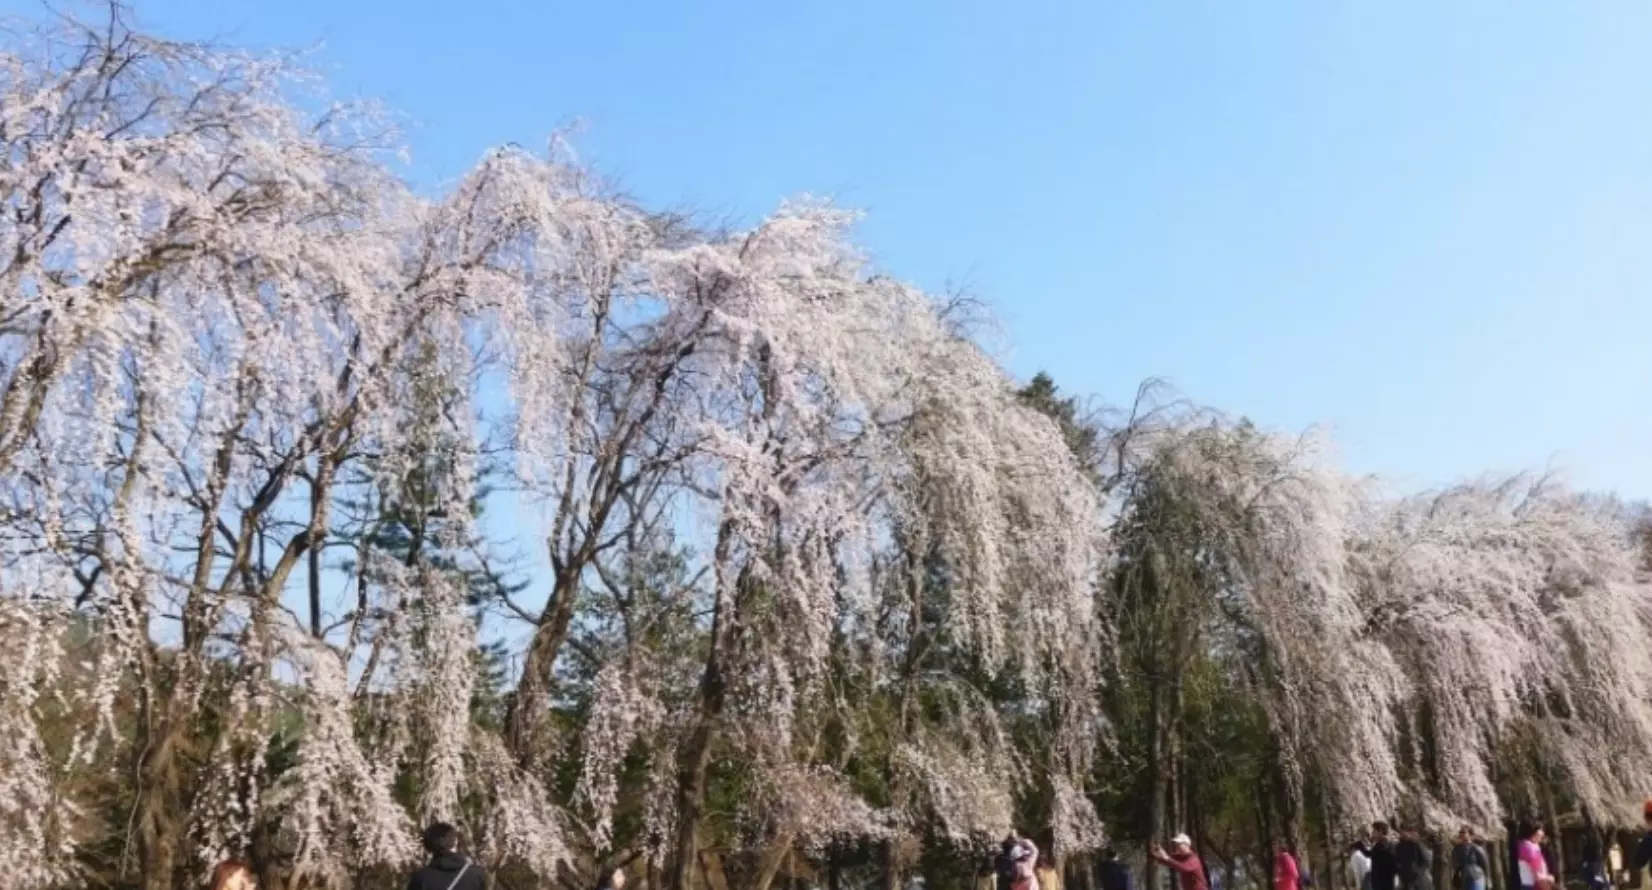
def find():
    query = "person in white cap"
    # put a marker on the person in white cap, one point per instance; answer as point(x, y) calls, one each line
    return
point(1183, 861)
point(1026, 865)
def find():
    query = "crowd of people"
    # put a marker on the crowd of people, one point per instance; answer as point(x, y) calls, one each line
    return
point(1386, 859)
point(1383, 861)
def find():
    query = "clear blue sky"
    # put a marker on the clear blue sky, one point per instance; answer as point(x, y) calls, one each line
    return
point(1427, 225)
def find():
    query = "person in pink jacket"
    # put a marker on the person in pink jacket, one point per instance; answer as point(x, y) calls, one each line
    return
point(1528, 855)
point(1286, 874)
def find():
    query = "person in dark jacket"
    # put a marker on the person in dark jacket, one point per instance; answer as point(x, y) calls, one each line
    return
point(1469, 865)
point(1414, 862)
point(1642, 860)
point(1384, 867)
point(1593, 865)
point(1111, 874)
point(1004, 863)
point(447, 869)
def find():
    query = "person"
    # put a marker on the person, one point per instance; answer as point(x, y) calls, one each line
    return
point(233, 874)
point(447, 869)
point(1413, 862)
point(1111, 874)
point(614, 880)
point(1532, 868)
point(1004, 863)
point(986, 875)
point(1286, 874)
point(1593, 863)
point(1183, 861)
point(1026, 866)
point(1642, 858)
point(1048, 877)
point(1384, 869)
point(1359, 866)
point(1469, 865)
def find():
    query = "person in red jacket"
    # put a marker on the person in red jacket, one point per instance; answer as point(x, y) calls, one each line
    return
point(1286, 874)
point(1183, 861)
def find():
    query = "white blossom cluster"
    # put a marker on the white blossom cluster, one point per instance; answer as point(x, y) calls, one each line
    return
point(1517, 613)
point(1499, 628)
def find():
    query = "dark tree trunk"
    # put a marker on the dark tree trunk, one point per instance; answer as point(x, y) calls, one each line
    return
point(1156, 782)
point(693, 767)
point(161, 816)
point(1550, 816)
point(538, 665)
point(1330, 874)
point(891, 866)
point(694, 762)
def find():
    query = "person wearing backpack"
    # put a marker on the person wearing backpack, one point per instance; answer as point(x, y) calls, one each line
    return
point(1111, 874)
point(1414, 861)
point(1469, 864)
point(447, 869)
point(1003, 865)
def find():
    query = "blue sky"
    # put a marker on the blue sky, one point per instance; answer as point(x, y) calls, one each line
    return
point(1426, 225)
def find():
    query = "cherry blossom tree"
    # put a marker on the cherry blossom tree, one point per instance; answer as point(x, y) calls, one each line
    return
point(818, 577)
point(1516, 613)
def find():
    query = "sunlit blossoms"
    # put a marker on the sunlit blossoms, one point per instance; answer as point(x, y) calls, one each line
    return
point(1517, 613)
point(330, 508)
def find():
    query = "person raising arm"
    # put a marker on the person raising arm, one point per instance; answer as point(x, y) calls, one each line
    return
point(1183, 861)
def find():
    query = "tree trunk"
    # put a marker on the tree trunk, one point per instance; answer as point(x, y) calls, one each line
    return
point(1174, 754)
point(1156, 781)
point(694, 762)
point(774, 856)
point(538, 664)
point(891, 866)
point(1550, 816)
point(161, 816)
point(1267, 827)
point(692, 768)
point(1331, 874)
point(712, 874)
point(1084, 867)
point(315, 570)
point(1290, 823)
